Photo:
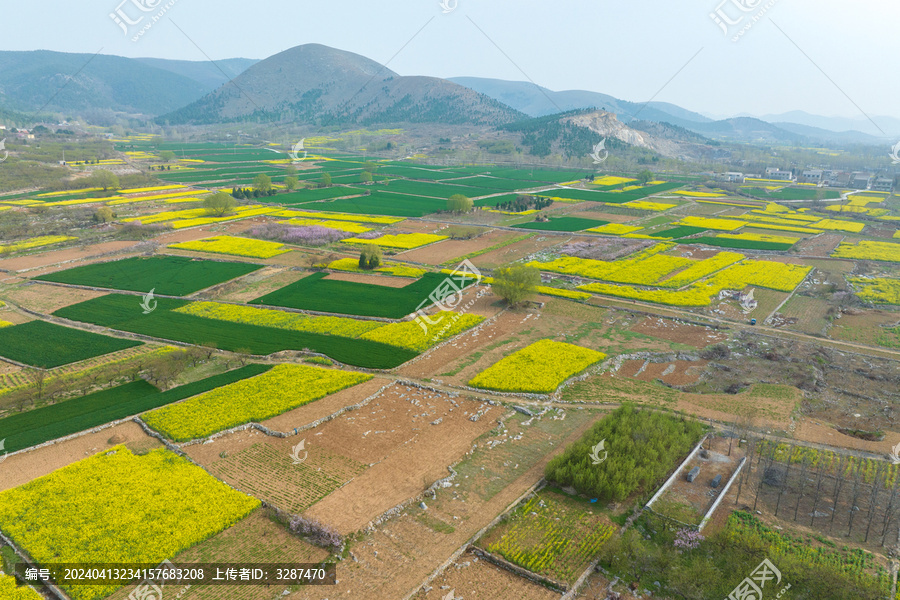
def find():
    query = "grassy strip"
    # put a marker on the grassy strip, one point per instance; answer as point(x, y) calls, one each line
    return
point(167, 275)
point(118, 312)
point(65, 418)
point(47, 345)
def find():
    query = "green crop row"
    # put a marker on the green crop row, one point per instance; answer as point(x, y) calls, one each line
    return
point(71, 416)
point(46, 345)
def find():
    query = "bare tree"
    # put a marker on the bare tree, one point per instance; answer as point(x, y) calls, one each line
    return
point(820, 471)
point(889, 513)
point(784, 484)
point(802, 486)
point(857, 475)
point(838, 484)
point(873, 501)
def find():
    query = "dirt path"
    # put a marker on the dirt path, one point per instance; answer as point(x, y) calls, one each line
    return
point(394, 561)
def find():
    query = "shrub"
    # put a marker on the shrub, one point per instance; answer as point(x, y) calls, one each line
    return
point(317, 533)
point(515, 283)
point(370, 258)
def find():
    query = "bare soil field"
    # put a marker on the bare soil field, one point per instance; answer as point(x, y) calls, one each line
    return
point(45, 298)
point(395, 559)
point(55, 257)
point(866, 327)
point(449, 250)
point(382, 280)
point(21, 468)
point(680, 333)
point(428, 431)
point(677, 373)
point(471, 577)
point(820, 245)
point(254, 285)
point(517, 251)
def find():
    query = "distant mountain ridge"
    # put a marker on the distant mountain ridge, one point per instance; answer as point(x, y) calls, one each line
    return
point(66, 82)
point(320, 85)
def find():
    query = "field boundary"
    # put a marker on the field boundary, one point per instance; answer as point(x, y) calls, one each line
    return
point(556, 586)
point(462, 549)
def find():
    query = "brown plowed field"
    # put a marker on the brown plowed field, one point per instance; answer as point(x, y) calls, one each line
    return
point(471, 577)
point(682, 333)
point(452, 249)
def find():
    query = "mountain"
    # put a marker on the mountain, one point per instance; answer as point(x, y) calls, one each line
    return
point(537, 101)
point(575, 134)
point(64, 82)
point(889, 125)
point(208, 74)
point(325, 86)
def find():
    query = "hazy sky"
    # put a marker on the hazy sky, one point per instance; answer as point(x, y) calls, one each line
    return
point(832, 58)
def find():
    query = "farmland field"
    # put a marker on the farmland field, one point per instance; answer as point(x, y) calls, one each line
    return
point(551, 534)
point(167, 275)
point(71, 416)
point(255, 399)
point(47, 345)
point(118, 312)
point(349, 298)
point(563, 224)
point(137, 501)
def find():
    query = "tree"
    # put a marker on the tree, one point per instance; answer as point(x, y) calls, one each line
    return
point(370, 257)
point(262, 183)
point(516, 283)
point(290, 183)
point(365, 177)
point(220, 204)
point(369, 167)
point(645, 176)
point(167, 155)
point(326, 180)
point(105, 179)
point(104, 214)
point(459, 204)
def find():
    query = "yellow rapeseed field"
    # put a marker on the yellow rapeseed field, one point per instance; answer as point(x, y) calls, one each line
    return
point(237, 246)
point(279, 390)
point(868, 250)
point(116, 507)
point(708, 223)
point(880, 290)
point(539, 368)
point(37, 242)
point(615, 229)
point(402, 241)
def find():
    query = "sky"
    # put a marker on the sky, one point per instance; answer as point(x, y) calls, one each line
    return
point(830, 57)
